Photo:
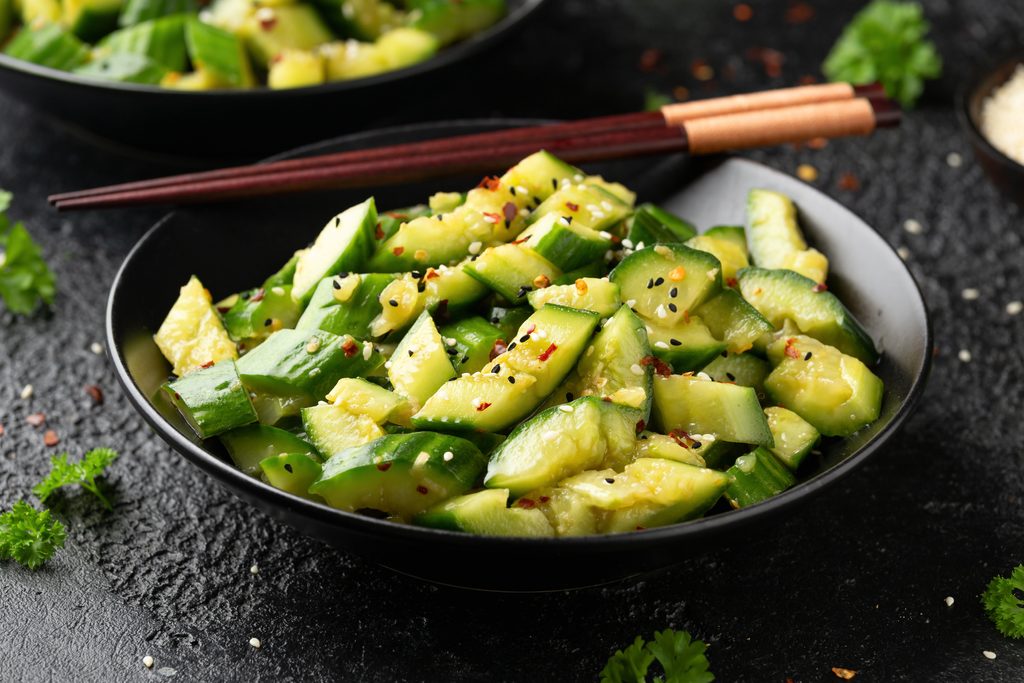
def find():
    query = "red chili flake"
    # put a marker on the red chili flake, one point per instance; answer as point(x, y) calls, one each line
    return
point(572, 206)
point(731, 282)
point(223, 309)
point(742, 12)
point(207, 364)
point(398, 251)
point(50, 438)
point(686, 316)
point(547, 352)
point(799, 13)
point(491, 217)
point(640, 528)
point(490, 182)
point(817, 143)
point(378, 232)
point(431, 274)
point(483, 406)
point(277, 58)
point(422, 490)
point(641, 425)
point(268, 23)
point(808, 79)
point(95, 393)
point(650, 59)
point(660, 367)
point(544, 499)
point(397, 216)
point(820, 287)
point(1, 430)
point(350, 348)
point(701, 70)
point(258, 296)
point(680, 437)
point(848, 181)
point(384, 466)
point(530, 329)
point(36, 419)
point(526, 503)
point(790, 349)
point(510, 212)
point(616, 239)
point(520, 240)
point(499, 348)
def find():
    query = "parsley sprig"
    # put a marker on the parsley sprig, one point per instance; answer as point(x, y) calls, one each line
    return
point(886, 42)
point(1004, 603)
point(25, 279)
point(29, 536)
point(681, 658)
point(83, 473)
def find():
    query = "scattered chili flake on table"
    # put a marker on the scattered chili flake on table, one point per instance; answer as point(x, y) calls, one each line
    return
point(808, 79)
point(806, 173)
point(799, 13)
point(650, 59)
point(95, 393)
point(742, 12)
point(681, 93)
point(1, 430)
point(701, 70)
point(845, 674)
point(817, 143)
point(50, 438)
point(848, 181)
point(36, 419)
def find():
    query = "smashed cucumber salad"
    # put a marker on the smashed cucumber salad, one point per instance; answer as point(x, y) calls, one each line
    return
point(534, 357)
point(195, 45)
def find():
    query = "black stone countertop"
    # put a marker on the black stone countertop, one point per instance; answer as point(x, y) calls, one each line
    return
point(856, 580)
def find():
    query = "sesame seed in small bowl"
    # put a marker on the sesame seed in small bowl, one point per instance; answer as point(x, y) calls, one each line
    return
point(991, 108)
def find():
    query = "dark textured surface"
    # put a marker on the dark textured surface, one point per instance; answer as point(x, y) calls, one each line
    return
point(857, 581)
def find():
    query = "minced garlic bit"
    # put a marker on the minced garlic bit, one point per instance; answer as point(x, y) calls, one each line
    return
point(964, 355)
point(949, 601)
point(26, 392)
point(970, 294)
point(1015, 307)
point(313, 346)
point(989, 654)
point(148, 662)
point(255, 569)
point(255, 642)
point(96, 348)
point(475, 247)
point(541, 281)
point(662, 250)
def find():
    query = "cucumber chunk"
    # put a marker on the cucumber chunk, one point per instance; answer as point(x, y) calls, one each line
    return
point(702, 406)
point(565, 242)
point(652, 225)
point(124, 68)
point(360, 397)
point(513, 270)
point(331, 428)
point(509, 319)
point(192, 336)
point(589, 294)
point(835, 392)
point(279, 410)
point(161, 40)
point(562, 441)
point(782, 295)
point(731, 234)
point(390, 221)
point(454, 20)
point(420, 364)
point(345, 304)
point(293, 68)
point(400, 474)
point(486, 513)
point(219, 54)
point(794, 436)
point(667, 282)
point(441, 290)
point(730, 318)
point(568, 512)
point(212, 400)
point(686, 346)
point(258, 313)
point(50, 45)
point(539, 175)
point(654, 445)
point(674, 492)
point(271, 31)
point(344, 244)
point(90, 20)
point(250, 445)
point(745, 369)
point(587, 206)
point(293, 473)
point(138, 11)
point(305, 364)
point(755, 477)
point(402, 47)
point(775, 240)
point(732, 256)
point(474, 341)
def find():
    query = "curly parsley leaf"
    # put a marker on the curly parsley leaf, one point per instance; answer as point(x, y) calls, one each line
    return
point(886, 42)
point(25, 279)
point(1004, 603)
point(29, 536)
point(681, 658)
point(83, 473)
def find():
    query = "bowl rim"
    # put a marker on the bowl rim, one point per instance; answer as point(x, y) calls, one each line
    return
point(444, 57)
point(250, 487)
point(966, 92)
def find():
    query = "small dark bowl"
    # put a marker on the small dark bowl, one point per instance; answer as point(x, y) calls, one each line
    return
point(225, 124)
point(1004, 172)
point(231, 247)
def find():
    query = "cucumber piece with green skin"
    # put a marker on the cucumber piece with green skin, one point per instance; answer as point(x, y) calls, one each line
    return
point(443, 290)
point(270, 31)
point(730, 318)
point(755, 477)
point(258, 313)
point(589, 294)
point(344, 244)
point(568, 512)
point(733, 234)
point(667, 282)
point(292, 68)
point(443, 202)
point(400, 474)
point(91, 19)
point(369, 19)
point(474, 340)
point(744, 369)
point(405, 46)
point(702, 406)
point(361, 397)
point(124, 68)
point(161, 40)
point(454, 20)
point(654, 445)
point(511, 270)
point(212, 399)
point(774, 238)
point(508, 388)
point(305, 364)
point(390, 221)
point(49, 45)
point(563, 241)
point(675, 492)
point(509, 319)
point(250, 445)
point(137, 11)
point(835, 392)
point(732, 256)
point(686, 346)
point(782, 295)
point(293, 473)
point(345, 304)
point(593, 269)
point(562, 441)
point(219, 54)
point(650, 225)
point(589, 206)
point(538, 176)
point(486, 513)
point(331, 428)
point(613, 366)
point(794, 436)
point(282, 411)
point(420, 364)
point(192, 335)
point(36, 13)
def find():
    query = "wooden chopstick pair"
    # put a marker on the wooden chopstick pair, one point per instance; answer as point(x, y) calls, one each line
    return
point(700, 127)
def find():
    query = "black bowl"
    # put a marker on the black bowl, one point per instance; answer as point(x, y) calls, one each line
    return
point(225, 124)
point(1004, 172)
point(231, 247)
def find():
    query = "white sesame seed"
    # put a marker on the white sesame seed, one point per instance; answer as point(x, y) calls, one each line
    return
point(660, 312)
point(524, 212)
point(96, 348)
point(475, 247)
point(255, 569)
point(1015, 307)
point(490, 219)
point(660, 345)
point(591, 207)
point(421, 459)
point(989, 654)
point(448, 455)
point(970, 294)
point(949, 601)
point(521, 189)
point(903, 252)
point(255, 642)
point(636, 369)
point(549, 435)
point(913, 227)
point(565, 408)
point(639, 246)
point(628, 243)
point(605, 234)
point(367, 350)
point(954, 160)
point(387, 365)
point(148, 662)
point(564, 221)
point(631, 303)
point(662, 250)
point(26, 392)
point(277, 291)
point(704, 376)
point(476, 402)
point(606, 205)
point(964, 355)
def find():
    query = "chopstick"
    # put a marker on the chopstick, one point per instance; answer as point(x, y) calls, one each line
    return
point(764, 118)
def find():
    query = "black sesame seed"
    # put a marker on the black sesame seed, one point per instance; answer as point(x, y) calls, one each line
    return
point(673, 308)
point(696, 445)
point(675, 342)
point(410, 353)
point(288, 467)
point(650, 283)
point(421, 287)
point(523, 291)
point(659, 282)
point(465, 359)
point(725, 354)
point(732, 377)
point(496, 369)
point(416, 274)
point(511, 379)
point(568, 396)
point(392, 302)
point(495, 320)
point(511, 346)
point(568, 220)
point(268, 322)
point(525, 338)
point(337, 221)
point(337, 285)
point(554, 183)
point(674, 292)
point(609, 480)
point(343, 275)
point(512, 190)
point(807, 356)
point(452, 352)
